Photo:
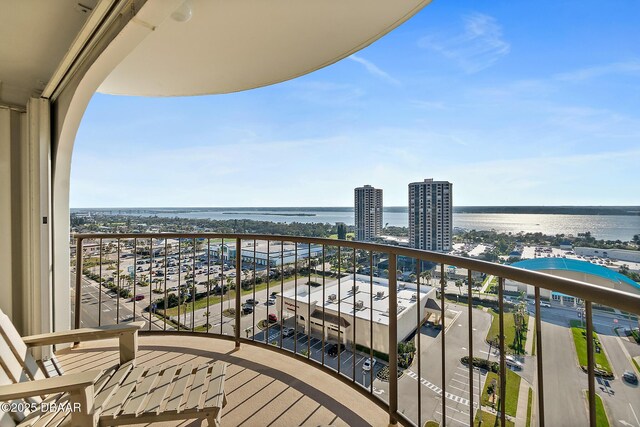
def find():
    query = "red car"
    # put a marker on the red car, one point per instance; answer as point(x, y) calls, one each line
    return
point(273, 318)
point(137, 298)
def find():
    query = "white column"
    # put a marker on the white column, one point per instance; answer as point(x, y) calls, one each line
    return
point(24, 207)
point(9, 141)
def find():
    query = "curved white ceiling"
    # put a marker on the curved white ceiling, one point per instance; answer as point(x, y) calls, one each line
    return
point(234, 45)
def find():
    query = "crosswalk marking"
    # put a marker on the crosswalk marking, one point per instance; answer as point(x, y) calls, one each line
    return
point(436, 389)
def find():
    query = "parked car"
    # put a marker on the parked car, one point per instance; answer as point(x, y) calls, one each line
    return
point(511, 362)
point(288, 332)
point(273, 318)
point(334, 349)
point(137, 298)
point(271, 301)
point(247, 309)
point(252, 301)
point(630, 377)
point(368, 364)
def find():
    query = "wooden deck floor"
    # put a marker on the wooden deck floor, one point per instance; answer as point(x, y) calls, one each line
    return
point(263, 388)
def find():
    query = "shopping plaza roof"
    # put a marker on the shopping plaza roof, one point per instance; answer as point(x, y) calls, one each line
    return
point(568, 264)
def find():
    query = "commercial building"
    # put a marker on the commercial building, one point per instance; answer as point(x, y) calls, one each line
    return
point(431, 215)
point(345, 324)
point(368, 212)
point(274, 254)
point(572, 269)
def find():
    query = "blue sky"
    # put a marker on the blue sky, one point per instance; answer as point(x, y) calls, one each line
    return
point(516, 103)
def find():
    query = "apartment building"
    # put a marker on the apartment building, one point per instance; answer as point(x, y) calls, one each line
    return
point(368, 212)
point(430, 215)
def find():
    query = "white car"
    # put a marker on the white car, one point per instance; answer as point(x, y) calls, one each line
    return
point(545, 304)
point(511, 362)
point(368, 364)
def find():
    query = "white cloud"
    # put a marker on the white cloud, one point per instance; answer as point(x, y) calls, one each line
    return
point(630, 67)
point(374, 69)
point(479, 46)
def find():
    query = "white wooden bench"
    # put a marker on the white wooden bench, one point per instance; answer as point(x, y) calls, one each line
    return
point(123, 394)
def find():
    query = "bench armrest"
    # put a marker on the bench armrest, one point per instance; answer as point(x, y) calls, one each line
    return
point(127, 332)
point(65, 383)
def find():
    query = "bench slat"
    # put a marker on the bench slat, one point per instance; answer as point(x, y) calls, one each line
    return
point(106, 392)
point(177, 394)
point(198, 387)
point(215, 392)
point(141, 393)
point(19, 349)
point(52, 419)
point(119, 399)
point(160, 391)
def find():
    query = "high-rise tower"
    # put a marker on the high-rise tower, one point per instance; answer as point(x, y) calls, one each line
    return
point(368, 212)
point(430, 215)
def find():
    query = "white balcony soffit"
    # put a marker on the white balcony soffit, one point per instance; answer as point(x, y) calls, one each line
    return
point(34, 36)
point(233, 45)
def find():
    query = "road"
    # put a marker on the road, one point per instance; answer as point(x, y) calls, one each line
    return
point(100, 306)
point(456, 374)
point(564, 380)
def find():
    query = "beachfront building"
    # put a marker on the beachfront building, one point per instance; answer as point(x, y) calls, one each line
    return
point(368, 212)
point(431, 215)
point(347, 325)
point(273, 254)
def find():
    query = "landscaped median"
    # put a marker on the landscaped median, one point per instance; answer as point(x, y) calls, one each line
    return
point(515, 330)
point(491, 391)
point(602, 420)
point(579, 334)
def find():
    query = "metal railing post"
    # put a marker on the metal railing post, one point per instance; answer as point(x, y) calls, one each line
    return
point(393, 339)
point(539, 359)
point(100, 288)
point(590, 365)
point(78, 282)
point(470, 335)
point(503, 365)
point(443, 352)
point(238, 289)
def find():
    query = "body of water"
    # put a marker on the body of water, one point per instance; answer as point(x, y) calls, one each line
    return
point(608, 227)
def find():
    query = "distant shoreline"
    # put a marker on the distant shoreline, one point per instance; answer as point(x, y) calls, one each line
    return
point(271, 213)
point(311, 211)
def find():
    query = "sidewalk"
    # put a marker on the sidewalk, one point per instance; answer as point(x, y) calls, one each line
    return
point(530, 335)
point(523, 400)
point(486, 284)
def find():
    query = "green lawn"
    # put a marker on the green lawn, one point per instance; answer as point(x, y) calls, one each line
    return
point(601, 415)
point(579, 338)
point(432, 424)
point(509, 331)
point(529, 400)
point(636, 363)
point(513, 388)
point(489, 420)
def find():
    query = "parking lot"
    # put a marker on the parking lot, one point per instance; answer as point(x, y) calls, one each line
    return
point(344, 360)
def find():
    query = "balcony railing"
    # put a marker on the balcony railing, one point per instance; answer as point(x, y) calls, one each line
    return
point(320, 293)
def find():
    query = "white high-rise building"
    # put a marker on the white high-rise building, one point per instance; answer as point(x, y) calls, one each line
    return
point(368, 212)
point(430, 215)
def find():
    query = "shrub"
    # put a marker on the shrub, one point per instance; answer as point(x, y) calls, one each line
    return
point(482, 364)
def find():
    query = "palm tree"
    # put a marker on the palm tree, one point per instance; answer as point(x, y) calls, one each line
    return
point(459, 284)
point(426, 276)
